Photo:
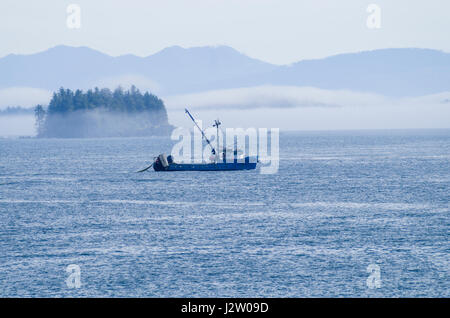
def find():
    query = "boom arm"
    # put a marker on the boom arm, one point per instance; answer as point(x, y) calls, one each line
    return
point(203, 134)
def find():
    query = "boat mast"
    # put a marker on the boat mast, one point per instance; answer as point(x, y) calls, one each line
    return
point(203, 134)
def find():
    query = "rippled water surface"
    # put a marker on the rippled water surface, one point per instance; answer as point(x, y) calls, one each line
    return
point(340, 202)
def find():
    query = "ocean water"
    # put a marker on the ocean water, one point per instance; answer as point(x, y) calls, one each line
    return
point(340, 202)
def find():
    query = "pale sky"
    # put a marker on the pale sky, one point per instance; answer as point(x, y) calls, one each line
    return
point(276, 31)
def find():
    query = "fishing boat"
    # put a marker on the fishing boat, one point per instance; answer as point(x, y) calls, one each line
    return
point(218, 160)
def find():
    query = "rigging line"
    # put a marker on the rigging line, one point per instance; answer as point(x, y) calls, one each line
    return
point(145, 169)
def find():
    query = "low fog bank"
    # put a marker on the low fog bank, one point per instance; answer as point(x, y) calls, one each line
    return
point(272, 97)
point(307, 108)
point(292, 97)
point(82, 124)
point(17, 125)
point(321, 118)
point(104, 123)
point(25, 97)
point(284, 107)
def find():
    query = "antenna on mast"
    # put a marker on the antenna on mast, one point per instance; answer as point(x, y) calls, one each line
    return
point(217, 123)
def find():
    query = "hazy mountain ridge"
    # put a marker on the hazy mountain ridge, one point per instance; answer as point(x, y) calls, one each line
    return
point(175, 70)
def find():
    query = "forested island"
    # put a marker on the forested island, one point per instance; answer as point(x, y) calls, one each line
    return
point(102, 113)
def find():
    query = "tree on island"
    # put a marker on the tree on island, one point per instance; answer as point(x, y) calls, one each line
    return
point(39, 113)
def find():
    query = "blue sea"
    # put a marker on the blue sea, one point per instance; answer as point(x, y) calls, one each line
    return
point(340, 203)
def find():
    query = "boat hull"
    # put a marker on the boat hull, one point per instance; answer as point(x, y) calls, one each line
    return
point(209, 166)
point(162, 164)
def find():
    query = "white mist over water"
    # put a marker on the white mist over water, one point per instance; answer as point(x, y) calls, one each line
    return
point(25, 97)
point(17, 125)
point(307, 108)
point(321, 118)
point(284, 107)
point(104, 123)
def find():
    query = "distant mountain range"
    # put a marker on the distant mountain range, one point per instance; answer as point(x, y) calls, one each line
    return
point(175, 70)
